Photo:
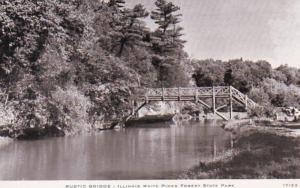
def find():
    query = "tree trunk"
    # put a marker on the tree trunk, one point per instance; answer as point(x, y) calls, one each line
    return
point(123, 42)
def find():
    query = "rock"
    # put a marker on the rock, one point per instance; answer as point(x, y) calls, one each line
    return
point(39, 133)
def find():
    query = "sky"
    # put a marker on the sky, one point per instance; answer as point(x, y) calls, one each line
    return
point(230, 29)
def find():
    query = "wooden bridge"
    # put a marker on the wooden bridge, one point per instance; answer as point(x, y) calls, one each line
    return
point(197, 94)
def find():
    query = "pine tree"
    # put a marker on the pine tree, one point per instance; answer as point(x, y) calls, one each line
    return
point(131, 30)
point(167, 42)
point(168, 34)
point(116, 3)
point(116, 9)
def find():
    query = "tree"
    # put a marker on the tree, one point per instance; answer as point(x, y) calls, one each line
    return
point(116, 3)
point(131, 30)
point(209, 73)
point(172, 74)
point(228, 77)
point(115, 9)
point(168, 32)
point(292, 74)
point(166, 42)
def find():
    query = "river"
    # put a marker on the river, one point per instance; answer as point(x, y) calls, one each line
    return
point(156, 151)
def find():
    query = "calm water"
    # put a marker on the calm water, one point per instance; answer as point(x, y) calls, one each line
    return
point(148, 152)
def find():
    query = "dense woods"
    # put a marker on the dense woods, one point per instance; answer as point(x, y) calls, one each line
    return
point(72, 65)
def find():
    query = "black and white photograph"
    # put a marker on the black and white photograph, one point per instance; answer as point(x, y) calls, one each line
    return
point(114, 90)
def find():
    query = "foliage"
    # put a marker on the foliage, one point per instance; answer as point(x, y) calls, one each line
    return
point(74, 105)
point(268, 87)
point(68, 64)
point(168, 32)
point(209, 73)
point(282, 95)
point(228, 77)
point(241, 74)
point(167, 45)
point(290, 75)
point(116, 3)
point(130, 31)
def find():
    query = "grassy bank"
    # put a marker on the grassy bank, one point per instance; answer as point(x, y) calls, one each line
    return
point(258, 152)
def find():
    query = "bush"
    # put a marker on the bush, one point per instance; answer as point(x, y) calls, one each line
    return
point(74, 106)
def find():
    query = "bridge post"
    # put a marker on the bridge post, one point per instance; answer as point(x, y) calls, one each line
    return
point(179, 98)
point(146, 95)
point(132, 107)
point(230, 102)
point(214, 100)
point(246, 102)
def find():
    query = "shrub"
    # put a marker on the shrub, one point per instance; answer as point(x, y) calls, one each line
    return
point(75, 106)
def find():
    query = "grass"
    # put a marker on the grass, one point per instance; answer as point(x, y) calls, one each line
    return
point(256, 155)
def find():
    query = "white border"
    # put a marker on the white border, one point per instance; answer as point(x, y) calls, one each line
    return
point(275, 183)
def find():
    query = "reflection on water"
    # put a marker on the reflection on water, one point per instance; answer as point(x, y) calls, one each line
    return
point(157, 152)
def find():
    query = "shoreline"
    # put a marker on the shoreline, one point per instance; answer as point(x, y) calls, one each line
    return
point(36, 133)
point(4, 141)
point(259, 152)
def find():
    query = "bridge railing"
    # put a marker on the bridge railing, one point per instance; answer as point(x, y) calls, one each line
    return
point(200, 91)
point(242, 97)
point(219, 91)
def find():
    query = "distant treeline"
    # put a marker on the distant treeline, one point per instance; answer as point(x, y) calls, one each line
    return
point(269, 87)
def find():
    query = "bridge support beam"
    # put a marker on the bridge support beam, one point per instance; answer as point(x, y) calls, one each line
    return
point(214, 100)
point(246, 102)
point(230, 103)
point(133, 107)
point(222, 116)
point(204, 104)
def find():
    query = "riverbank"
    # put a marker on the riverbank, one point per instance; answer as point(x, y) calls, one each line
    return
point(5, 141)
point(258, 152)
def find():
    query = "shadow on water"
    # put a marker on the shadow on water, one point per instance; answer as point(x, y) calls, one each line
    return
point(149, 151)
